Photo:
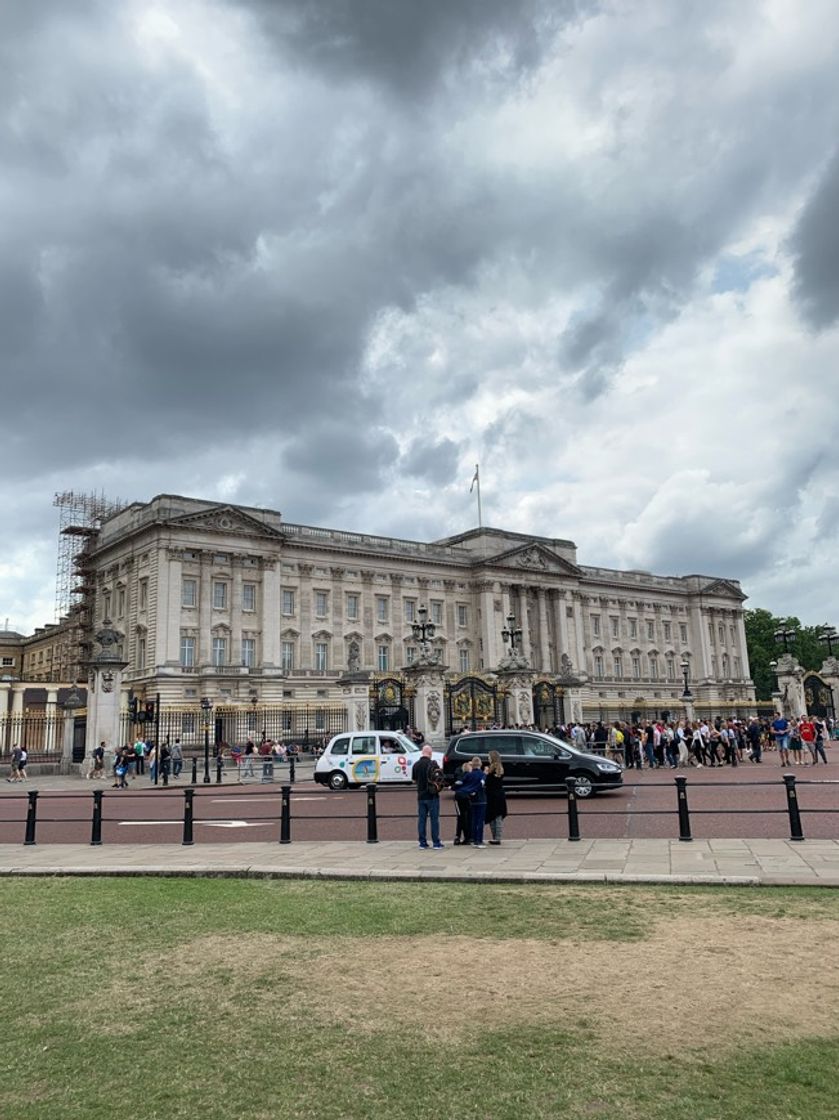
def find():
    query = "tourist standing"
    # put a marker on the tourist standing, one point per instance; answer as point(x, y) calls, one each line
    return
point(424, 773)
point(496, 800)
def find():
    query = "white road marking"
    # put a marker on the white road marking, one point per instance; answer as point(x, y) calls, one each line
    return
point(236, 824)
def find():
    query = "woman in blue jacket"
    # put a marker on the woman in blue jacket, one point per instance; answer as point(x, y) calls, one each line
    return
point(474, 786)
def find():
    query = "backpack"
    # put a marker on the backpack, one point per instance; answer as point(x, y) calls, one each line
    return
point(435, 778)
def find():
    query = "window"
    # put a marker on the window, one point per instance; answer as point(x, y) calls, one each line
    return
point(411, 654)
point(219, 595)
point(633, 627)
point(384, 658)
point(654, 668)
point(363, 744)
point(731, 635)
point(595, 625)
point(738, 667)
point(321, 656)
point(288, 602)
point(144, 594)
point(725, 672)
point(721, 632)
point(219, 651)
point(618, 667)
point(711, 632)
point(141, 652)
point(189, 592)
point(340, 746)
point(320, 719)
point(683, 632)
point(121, 603)
point(352, 607)
point(287, 656)
point(650, 630)
point(321, 604)
point(409, 609)
point(464, 660)
point(668, 631)
point(381, 608)
point(462, 614)
point(187, 723)
point(598, 667)
point(636, 668)
point(7, 661)
point(249, 652)
point(437, 612)
point(106, 605)
point(713, 666)
point(615, 623)
point(539, 748)
point(248, 596)
point(671, 669)
point(187, 652)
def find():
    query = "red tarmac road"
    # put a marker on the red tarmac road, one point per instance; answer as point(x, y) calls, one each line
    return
point(748, 802)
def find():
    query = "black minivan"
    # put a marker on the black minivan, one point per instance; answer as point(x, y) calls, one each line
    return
point(533, 759)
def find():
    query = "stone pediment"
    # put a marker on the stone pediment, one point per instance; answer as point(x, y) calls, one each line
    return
point(229, 520)
point(534, 558)
point(725, 589)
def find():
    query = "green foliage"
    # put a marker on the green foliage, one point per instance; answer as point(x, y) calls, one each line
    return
point(762, 647)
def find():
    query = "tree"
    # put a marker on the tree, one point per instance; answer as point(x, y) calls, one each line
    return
point(762, 647)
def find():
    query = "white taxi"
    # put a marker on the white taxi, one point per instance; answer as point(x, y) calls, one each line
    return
point(363, 757)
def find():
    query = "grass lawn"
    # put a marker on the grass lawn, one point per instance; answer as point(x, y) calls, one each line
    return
point(224, 998)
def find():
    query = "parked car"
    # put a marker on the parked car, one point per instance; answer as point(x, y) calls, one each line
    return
point(368, 756)
point(533, 759)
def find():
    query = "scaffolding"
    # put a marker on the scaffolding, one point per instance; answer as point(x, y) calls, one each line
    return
point(80, 516)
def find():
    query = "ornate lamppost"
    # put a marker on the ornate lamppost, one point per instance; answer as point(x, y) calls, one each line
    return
point(784, 635)
point(827, 636)
point(206, 708)
point(687, 695)
point(424, 631)
point(512, 634)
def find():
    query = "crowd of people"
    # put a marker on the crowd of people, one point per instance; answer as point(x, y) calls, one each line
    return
point(479, 800)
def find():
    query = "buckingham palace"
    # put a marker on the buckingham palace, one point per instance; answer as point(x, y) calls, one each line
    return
point(233, 603)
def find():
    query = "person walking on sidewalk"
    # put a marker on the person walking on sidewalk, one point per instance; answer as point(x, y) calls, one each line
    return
point(425, 774)
point(496, 809)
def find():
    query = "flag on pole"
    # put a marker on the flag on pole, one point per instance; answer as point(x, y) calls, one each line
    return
point(475, 479)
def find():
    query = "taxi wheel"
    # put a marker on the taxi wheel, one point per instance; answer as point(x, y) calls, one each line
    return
point(337, 780)
point(584, 785)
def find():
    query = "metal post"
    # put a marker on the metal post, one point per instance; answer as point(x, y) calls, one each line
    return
point(31, 818)
point(188, 796)
point(372, 822)
point(157, 741)
point(206, 751)
point(573, 816)
point(219, 767)
point(292, 768)
point(96, 826)
point(684, 814)
point(285, 816)
point(796, 832)
point(194, 769)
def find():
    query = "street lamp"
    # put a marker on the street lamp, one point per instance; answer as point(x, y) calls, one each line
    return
point(687, 694)
point(423, 632)
point(206, 708)
point(827, 636)
point(785, 635)
point(512, 633)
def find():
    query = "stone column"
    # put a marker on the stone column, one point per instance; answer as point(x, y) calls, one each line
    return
point(487, 634)
point(699, 642)
point(561, 629)
point(5, 699)
point(524, 623)
point(582, 664)
point(205, 611)
point(429, 683)
point(104, 693)
point(236, 611)
point(17, 701)
point(51, 720)
point(355, 692)
point(367, 622)
point(167, 624)
point(306, 612)
point(271, 617)
point(544, 644)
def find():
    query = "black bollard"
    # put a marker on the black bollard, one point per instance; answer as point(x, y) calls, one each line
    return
point(219, 766)
point(31, 817)
point(194, 769)
point(684, 814)
point(372, 820)
point(285, 816)
point(796, 832)
point(96, 825)
point(188, 796)
point(292, 768)
point(573, 816)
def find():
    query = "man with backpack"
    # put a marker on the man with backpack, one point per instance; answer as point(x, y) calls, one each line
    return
point(429, 779)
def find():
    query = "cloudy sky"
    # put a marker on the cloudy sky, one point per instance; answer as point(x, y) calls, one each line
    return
point(325, 255)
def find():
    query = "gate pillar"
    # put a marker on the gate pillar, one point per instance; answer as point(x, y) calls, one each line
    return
point(355, 690)
point(791, 686)
point(428, 679)
point(518, 686)
point(104, 685)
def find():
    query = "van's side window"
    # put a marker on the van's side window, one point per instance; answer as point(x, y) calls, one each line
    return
point(471, 745)
point(541, 748)
point(364, 744)
point(340, 746)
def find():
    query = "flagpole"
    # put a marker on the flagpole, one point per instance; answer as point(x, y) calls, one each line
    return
point(476, 481)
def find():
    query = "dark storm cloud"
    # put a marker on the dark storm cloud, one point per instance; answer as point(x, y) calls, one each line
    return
point(407, 46)
point(815, 244)
point(435, 461)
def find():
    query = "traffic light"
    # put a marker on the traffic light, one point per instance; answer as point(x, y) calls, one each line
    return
point(149, 711)
point(133, 709)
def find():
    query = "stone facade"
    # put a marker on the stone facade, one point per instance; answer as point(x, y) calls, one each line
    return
point(233, 603)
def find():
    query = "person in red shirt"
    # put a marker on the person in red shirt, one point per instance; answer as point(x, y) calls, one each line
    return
point(807, 731)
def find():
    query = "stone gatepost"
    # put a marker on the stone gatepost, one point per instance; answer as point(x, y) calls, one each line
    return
point(104, 685)
point(791, 686)
point(515, 679)
point(355, 690)
point(830, 676)
point(427, 678)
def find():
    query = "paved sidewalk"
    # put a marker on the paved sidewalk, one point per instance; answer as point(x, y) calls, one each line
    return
point(730, 862)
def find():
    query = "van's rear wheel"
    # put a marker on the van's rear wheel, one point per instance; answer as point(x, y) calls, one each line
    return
point(337, 780)
point(584, 785)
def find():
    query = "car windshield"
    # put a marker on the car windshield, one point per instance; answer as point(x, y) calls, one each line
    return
point(406, 744)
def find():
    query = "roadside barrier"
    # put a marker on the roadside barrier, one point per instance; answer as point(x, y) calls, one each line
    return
point(36, 804)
